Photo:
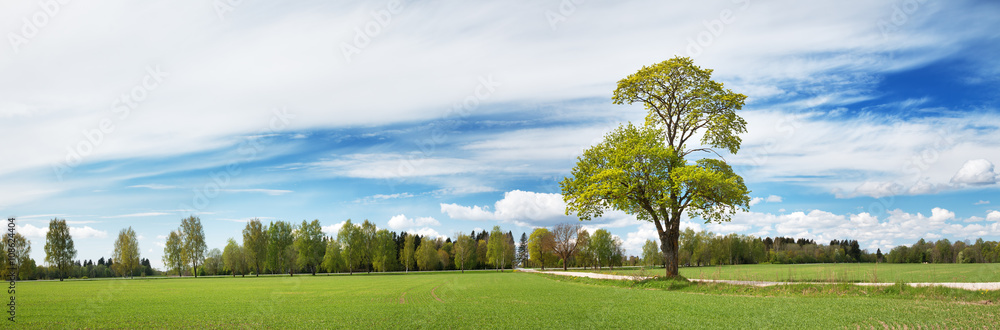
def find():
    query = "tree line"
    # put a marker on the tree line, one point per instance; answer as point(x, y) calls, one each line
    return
point(944, 251)
point(705, 248)
point(284, 248)
point(60, 252)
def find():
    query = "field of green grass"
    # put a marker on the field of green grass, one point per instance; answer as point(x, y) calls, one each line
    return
point(470, 300)
point(887, 273)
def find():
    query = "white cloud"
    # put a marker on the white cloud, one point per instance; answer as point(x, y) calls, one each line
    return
point(86, 232)
point(982, 202)
point(402, 222)
point(523, 208)
point(30, 231)
point(270, 192)
point(993, 216)
point(975, 172)
point(334, 229)
point(877, 189)
point(426, 232)
point(769, 199)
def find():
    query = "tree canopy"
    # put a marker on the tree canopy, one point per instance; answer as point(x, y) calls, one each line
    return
point(644, 170)
point(59, 249)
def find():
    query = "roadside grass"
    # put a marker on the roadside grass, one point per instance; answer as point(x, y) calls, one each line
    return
point(474, 300)
point(844, 272)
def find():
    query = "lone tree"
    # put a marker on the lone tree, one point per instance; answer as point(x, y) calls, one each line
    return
point(646, 171)
point(126, 252)
point(59, 250)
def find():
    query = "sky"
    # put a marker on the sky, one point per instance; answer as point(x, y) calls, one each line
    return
point(869, 120)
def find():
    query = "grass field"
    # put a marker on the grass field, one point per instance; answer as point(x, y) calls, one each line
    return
point(470, 300)
point(888, 273)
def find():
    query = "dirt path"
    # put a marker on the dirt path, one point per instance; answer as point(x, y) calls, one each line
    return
point(435, 295)
point(989, 286)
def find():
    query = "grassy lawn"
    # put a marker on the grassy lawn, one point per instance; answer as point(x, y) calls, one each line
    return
point(470, 300)
point(890, 273)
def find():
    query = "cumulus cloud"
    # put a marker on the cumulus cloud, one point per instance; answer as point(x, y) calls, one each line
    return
point(425, 232)
point(769, 199)
point(31, 231)
point(402, 222)
point(523, 208)
point(86, 232)
point(334, 229)
point(975, 172)
point(993, 216)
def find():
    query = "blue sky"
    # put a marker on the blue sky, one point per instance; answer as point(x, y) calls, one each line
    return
point(868, 120)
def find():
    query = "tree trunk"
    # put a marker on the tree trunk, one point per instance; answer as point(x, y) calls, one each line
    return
point(564, 264)
point(668, 243)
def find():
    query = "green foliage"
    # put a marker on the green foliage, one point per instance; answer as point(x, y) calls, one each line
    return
point(194, 241)
point(645, 171)
point(279, 239)
point(234, 258)
point(309, 244)
point(682, 99)
point(59, 250)
point(126, 252)
point(255, 245)
point(352, 244)
point(213, 262)
point(385, 251)
point(651, 255)
point(426, 255)
point(464, 249)
point(173, 252)
point(24, 266)
point(500, 249)
point(541, 244)
point(333, 261)
point(409, 249)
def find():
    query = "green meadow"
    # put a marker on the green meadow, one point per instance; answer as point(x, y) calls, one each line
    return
point(846, 272)
point(477, 300)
